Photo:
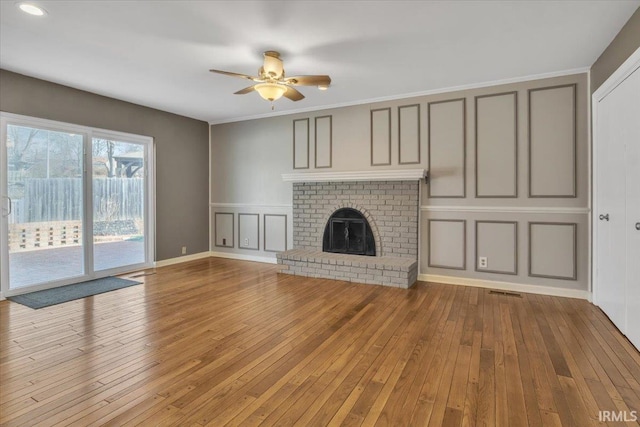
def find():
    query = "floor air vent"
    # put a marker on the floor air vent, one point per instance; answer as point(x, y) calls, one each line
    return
point(509, 294)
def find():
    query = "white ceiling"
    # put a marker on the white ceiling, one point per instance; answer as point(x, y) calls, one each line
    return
point(158, 53)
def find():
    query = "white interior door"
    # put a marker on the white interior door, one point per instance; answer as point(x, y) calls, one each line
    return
point(610, 211)
point(632, 90)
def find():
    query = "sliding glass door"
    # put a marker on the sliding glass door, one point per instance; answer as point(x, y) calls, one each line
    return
point(76, 203)
point(118, 203)
point(45, 199)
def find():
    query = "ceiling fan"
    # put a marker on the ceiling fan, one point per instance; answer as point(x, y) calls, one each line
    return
point(271, 82)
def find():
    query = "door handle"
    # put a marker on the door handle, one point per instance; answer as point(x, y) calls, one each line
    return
point(9, 210)
point(605, 217)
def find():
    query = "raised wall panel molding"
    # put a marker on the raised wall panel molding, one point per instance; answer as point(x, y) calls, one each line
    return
point(439, 260)
point(275, 232)
point(247, 229)
point(409, 134)
point(381, 137)
point(496, 142)
point(223, 228)
point(552, 142)
point(323, 142)
point(447, 148)
point(301, 144)
point(548, 252)
point(375, 175)
point(497, 246)
point(507, 209)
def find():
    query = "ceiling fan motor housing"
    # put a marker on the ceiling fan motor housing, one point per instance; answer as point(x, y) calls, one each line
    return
point(272, 67)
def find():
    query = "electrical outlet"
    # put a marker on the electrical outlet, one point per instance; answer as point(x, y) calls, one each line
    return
point(184, 250)
point(224, 242)
point(483, 262)
point(246, 241)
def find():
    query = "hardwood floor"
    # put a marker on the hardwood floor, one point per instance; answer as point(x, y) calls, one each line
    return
point(215, 342)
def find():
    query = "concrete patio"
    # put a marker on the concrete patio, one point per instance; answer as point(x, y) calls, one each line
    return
point(28, 268)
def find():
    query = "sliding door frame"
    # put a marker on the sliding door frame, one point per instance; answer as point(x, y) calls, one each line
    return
point(88, 134)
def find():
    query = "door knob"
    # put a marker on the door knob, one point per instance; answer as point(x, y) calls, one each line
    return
point(638, 226)
point(606, 217)
point(10, 207)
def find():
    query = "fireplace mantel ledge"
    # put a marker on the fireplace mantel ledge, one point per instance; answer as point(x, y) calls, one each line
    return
point(376, 175)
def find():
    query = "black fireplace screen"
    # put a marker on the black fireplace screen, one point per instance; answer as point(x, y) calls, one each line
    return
point(348, 232)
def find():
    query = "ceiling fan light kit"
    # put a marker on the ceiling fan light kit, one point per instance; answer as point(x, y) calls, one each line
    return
point(271, 83)
point(270, 91)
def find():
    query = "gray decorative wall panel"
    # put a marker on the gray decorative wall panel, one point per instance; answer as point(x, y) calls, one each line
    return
point(224, 229)
point(447, 243)
point(496, 145)
point(323, 142)
point(552, 142)
point(553, 250)
point(301, 144)
point(381, 137)
point(249, 231)
point(409, 134)
point(447, 149)
point(498, 242)
point(275, 232)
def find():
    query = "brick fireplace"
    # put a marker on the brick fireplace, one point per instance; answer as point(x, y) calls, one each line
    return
point(390, 207)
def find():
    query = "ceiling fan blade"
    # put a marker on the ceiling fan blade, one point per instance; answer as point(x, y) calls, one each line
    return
point(293, 94)
point(309, 80)
point(229, 73)
point(245, 90)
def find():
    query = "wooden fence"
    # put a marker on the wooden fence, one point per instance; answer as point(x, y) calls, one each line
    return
point(60, 199)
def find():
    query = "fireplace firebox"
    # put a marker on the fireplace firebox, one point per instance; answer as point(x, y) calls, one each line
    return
point(348, 232)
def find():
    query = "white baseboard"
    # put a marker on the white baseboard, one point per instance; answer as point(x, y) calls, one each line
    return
point(506, 286)
point(178, 260)
point(2, 298)
point(244, 257)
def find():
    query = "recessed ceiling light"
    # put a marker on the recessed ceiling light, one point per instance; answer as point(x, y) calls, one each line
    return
point(31, 9)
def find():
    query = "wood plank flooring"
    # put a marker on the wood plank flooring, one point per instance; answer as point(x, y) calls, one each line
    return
point(222, 342)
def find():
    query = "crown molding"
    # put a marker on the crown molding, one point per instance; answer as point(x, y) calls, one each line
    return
point(407, 95)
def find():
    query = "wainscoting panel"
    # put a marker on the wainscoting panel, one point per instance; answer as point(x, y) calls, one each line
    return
point(249, 231)
point(409, 134)
point(323, 142)
point(301, 144)
point(447, 243)
point(498, 241)
point(552, 142)
point(447, 149)
point(553, 250)
point(496, 145)
point(223, 229)
point(381, 137)
point(275, 232)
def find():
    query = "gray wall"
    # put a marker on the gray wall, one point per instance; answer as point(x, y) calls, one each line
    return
point(622, 46)
point(182, 170)
point(527, 203)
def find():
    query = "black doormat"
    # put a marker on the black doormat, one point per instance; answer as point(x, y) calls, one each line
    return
point(67, 293)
